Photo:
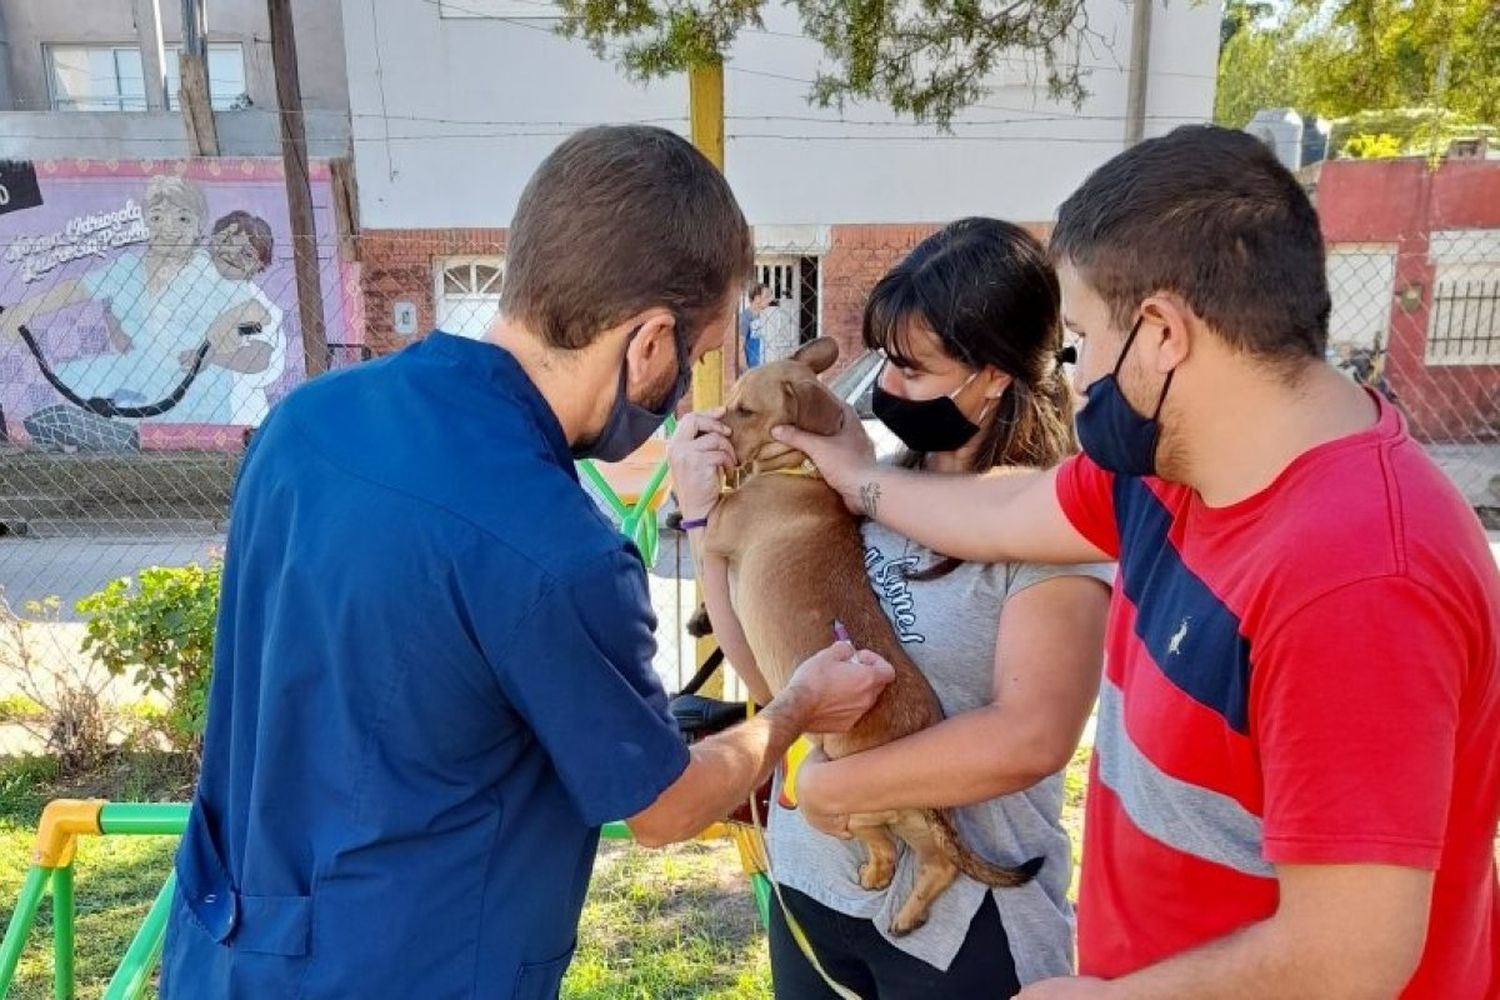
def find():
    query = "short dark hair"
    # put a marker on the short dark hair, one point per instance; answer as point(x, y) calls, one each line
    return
point(618, 219)
point(1210, 214)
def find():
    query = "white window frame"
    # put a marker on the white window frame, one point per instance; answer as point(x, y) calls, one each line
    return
point(221, 102)
point(58, 102)
point(1361, 283)
point(442, 299)
point(171, 71)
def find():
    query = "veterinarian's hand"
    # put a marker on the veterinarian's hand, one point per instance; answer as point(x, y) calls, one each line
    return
point(844, 459)
point(696, 453)
point(809, 797)
point(839, 686)
point(1068, 988)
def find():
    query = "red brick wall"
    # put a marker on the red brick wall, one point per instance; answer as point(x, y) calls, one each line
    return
point(397, 265)
point(857, 258)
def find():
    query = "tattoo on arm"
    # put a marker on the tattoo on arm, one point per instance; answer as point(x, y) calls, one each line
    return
point(869, 498)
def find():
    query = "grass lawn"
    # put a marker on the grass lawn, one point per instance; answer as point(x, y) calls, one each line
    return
point(659, 925)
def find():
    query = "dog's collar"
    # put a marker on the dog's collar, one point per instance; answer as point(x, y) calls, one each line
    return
point(735, 480)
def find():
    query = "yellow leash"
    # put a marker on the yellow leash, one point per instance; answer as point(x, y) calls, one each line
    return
point(795, 757)
point(798, 751)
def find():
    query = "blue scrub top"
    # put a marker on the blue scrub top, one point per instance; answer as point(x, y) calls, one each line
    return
point(432, 685)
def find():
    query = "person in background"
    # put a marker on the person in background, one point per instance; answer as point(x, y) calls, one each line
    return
point(750, 317)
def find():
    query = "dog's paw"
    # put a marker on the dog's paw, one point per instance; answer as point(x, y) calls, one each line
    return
point(903, 925)
point(875, 876)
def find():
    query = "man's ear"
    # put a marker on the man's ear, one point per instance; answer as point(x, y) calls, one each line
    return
point(813, 408)
point(1175, 324)
point(819, 354)
point(653, 345)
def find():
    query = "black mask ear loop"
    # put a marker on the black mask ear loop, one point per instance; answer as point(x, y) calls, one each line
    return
point(1129, 341)
point(1120, 363)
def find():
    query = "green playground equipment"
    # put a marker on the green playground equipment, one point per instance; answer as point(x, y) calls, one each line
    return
point(64, 821)
point(637, 515)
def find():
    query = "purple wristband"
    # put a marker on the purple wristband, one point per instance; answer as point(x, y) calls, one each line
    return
point(697, 522)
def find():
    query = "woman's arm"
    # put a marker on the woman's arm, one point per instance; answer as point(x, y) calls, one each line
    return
point(1047, 667)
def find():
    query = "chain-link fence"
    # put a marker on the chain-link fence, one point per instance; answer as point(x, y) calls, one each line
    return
point(1418, 318)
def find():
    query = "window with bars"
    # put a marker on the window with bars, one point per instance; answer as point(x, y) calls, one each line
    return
point(1464, 323)
point(468, 294)
point(110, 77)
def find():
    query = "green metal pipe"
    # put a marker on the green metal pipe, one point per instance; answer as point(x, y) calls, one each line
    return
point(594, 476)
point(160, 818)
point(616, 831)
point(20, 924)
point(140, 959)
point(63, 911)
point(762, 888)
point(658, 476)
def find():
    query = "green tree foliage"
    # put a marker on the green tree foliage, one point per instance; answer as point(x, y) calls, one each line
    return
point(928, 59)
point(1340, 58)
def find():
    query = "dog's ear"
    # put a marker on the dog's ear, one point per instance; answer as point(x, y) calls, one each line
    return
point(819, 354)
point(813, 408)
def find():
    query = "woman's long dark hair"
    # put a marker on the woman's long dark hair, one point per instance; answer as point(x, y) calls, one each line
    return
point(988, 291)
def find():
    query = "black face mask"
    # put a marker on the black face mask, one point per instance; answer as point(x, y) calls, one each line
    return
point(629, 424)
point(1111, 432)
point(925, 425)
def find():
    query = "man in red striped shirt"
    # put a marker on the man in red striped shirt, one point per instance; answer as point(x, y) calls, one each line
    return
point(1296, 780)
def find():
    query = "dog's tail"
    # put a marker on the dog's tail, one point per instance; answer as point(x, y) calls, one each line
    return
point(971, 864)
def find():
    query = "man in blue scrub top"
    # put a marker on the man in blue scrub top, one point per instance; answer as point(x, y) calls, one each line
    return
point(433, 671)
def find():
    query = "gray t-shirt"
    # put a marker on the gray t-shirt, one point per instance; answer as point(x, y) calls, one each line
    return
point(949, 627)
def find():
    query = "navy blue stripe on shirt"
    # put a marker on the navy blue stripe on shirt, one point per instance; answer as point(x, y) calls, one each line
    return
point(1192, 636)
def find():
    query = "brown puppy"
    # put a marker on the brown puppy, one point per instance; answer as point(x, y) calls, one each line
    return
point(796, 563)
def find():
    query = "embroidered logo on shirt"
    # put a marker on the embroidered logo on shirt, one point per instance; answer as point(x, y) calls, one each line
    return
point(1174, 644)
point(888, 577)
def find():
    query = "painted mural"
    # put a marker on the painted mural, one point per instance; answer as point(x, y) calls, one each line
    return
point(152, 304)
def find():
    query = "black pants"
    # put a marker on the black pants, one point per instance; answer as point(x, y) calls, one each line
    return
point(853, 952)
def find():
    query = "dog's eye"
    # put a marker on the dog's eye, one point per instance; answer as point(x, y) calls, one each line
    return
point(741, 410)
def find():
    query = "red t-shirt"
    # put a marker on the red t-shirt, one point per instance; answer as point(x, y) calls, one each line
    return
point(1310, 676)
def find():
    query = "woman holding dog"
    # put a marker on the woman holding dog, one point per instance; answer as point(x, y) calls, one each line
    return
point(969, 323)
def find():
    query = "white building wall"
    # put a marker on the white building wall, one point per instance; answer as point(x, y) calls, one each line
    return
point(451, 115)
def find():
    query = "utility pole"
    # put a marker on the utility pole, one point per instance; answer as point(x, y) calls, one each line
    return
point(298, 188)
point(706, 115)
point(1140, 72)
point(197, 104)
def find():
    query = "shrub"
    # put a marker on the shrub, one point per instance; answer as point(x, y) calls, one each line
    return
point(160, 629)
